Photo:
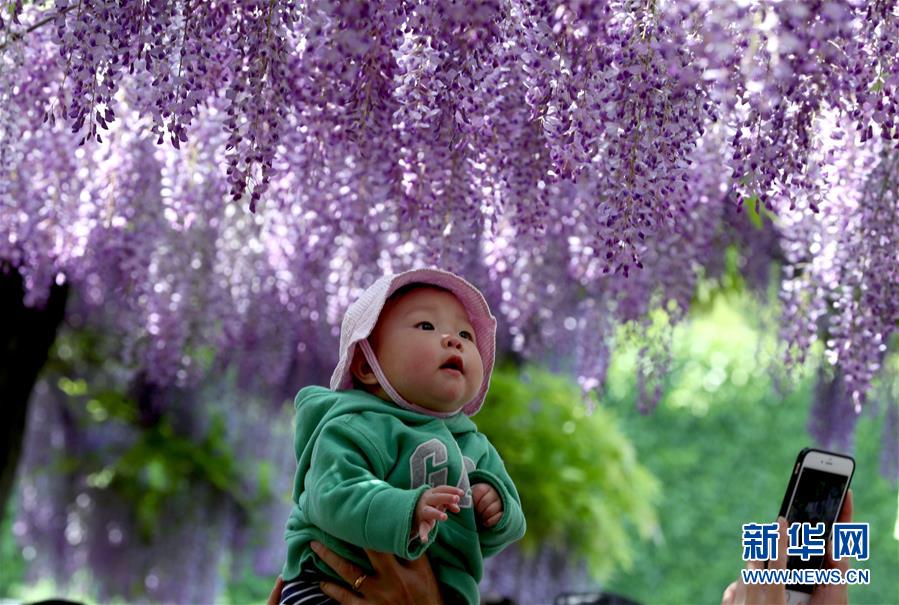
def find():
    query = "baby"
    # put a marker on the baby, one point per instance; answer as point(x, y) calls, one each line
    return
point(385, 459)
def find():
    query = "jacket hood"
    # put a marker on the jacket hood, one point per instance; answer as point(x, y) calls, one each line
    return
point(316, 406)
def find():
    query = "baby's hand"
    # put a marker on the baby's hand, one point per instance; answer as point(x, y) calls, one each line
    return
point(431, 506)
point(487, 503)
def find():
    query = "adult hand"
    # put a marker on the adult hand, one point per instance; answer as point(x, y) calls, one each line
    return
point(275, 597)
point(835, 594)
point(394, 581)
point(738, 593)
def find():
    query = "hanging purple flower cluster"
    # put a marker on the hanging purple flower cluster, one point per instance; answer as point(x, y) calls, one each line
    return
point(583, 162)
point(841, 281)
point(580, 161)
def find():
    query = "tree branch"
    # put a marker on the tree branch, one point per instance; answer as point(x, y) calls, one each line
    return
point(16, 36)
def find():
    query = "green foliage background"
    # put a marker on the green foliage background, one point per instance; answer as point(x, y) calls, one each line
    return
point(722, 442)
point(582, 488)
point(654, 502)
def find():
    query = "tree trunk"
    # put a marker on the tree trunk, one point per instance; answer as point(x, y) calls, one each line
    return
point(26, 335)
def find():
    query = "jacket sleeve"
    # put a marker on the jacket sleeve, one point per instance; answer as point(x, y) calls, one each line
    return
point(511, 527)
point(345, 496)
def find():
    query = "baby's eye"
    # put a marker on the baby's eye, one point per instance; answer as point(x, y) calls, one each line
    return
point(466, 334)
point(425, 323)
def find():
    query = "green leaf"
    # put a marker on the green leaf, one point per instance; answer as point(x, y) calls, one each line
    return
point(572, 469)
point(157, 475)
point(112, 404)
point(72, 388)
point(754, 217)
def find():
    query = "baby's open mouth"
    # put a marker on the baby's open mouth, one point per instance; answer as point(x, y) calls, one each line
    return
point(453, 363)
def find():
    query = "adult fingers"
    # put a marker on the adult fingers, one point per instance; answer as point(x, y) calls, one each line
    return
point(828, 556)
point(781, 561)
point(842, 564)
point(727, 598)
point(344, 568)
point(275, 597)
point(755, 565)
point(384, 563)
point(737, 592)
point(845, 516)
point(340, 594)
point(846, 512)
point(740, 596)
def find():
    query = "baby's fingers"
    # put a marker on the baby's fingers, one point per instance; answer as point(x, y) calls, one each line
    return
point(441, 501)
point(493, 520)
point(424, 528)
point(429, 513)
point(478, 491)
point(446, 489)
point(492, 508)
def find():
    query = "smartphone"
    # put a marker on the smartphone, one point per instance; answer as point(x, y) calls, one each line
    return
point(815, 494)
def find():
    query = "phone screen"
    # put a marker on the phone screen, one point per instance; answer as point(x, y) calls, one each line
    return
point(816, 500)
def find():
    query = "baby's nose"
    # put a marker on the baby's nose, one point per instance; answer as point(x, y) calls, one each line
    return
point(453, 341)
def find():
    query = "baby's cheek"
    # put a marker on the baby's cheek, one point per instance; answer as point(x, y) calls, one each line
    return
point(420, 363)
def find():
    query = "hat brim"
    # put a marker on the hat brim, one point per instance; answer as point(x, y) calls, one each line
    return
point(362, 316)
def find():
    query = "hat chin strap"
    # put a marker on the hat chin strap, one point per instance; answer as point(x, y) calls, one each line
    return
point(388, 388)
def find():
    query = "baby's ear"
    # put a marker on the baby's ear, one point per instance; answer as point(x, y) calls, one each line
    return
point(360, 369)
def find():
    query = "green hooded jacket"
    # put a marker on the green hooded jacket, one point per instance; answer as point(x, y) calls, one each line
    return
point(362, 464)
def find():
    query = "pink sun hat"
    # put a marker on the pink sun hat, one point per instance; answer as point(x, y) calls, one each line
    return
point(361, 317)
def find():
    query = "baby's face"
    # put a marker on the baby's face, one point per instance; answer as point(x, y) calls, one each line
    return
point(417, 338)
